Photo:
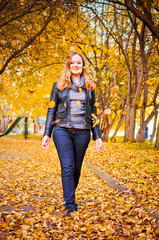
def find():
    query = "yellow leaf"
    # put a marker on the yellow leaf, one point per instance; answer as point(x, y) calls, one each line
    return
point(94, 116)
point(96, 123)
point(52, 104)
point(96, 104)
point(119, 111)
point(103, 229)
point(121, 199)
point(98, 111)
point(25, 227)
point(151, 81)
point(45, 224)
point(108, 212)
point(52, 207)
point(42, 39)
point(10, 238)
point(78, 103)
point(80, 89)
point(113, 91)
point(56, 121)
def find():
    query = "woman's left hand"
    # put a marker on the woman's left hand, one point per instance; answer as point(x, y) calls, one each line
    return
point(98, 144)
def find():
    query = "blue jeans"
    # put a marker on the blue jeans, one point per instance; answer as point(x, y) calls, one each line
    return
point(71, 146)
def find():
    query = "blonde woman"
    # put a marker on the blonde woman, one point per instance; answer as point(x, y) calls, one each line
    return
point(72, 115)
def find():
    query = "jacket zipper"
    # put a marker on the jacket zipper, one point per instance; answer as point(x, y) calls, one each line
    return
point(85, 107)
point(69, 105)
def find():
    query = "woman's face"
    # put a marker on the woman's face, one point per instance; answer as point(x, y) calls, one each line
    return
point(76, 65)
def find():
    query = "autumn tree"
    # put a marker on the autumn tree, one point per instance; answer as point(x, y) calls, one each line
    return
point(147, 11)
point(118, 48)
point(18, 28)
point(157, 137)
point(22, 24)
point(136, 59)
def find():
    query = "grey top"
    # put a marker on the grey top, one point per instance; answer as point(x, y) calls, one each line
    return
point(77, 104)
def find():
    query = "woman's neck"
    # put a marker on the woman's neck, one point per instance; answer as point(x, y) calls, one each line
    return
point(76, 78)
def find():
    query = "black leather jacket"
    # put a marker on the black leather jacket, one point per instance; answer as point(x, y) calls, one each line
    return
point(59, 111)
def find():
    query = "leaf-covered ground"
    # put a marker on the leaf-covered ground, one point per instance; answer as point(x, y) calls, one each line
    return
point(134, 165)
point(31, 202)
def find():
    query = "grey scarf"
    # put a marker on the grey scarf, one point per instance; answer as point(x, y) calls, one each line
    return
point(75, 86)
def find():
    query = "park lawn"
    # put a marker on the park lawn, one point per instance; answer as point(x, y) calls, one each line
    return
point(134, 165)
point(31, 202)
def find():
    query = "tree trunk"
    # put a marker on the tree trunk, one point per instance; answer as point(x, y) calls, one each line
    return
point(154, 127)
point(141, 133)
point(37, 125)
point(106, 129)
point(7, 117)
point(25, 127)
point(127, 124)
point(3, 117)
point(130, 123)
point(105, 134)
point(117, 128)
point(155, 112)
point(157, 138)
point(128, 102)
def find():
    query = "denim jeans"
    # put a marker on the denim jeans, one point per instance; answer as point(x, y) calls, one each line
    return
point(71, 146)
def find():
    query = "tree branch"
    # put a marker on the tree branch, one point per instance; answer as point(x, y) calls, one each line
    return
point(3, 4)
point(16, 53)
point(143, 17)
point(28, 11)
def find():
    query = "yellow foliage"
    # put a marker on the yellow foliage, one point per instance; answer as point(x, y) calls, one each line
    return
point(151, 81)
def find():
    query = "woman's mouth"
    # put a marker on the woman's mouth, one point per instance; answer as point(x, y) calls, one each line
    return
point(75, 68)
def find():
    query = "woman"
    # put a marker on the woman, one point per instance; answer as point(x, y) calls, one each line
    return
point(72, 113)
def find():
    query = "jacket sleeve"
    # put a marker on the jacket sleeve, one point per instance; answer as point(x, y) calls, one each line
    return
point(95, 130)
point(51, 111)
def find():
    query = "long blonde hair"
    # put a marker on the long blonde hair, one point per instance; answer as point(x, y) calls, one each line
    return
point(65, 81)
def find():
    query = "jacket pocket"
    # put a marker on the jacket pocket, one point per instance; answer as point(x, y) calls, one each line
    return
point(61, 112)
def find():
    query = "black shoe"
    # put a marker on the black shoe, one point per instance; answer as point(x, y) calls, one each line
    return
point(68, 213)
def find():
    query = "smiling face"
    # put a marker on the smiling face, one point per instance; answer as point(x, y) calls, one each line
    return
point(76, 65)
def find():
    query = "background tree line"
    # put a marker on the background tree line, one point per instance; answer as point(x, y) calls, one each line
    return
point(119, 40)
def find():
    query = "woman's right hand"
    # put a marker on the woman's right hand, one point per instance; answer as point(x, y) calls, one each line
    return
point(45, 142)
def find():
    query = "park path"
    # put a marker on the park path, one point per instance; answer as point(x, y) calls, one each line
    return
point(31, 203)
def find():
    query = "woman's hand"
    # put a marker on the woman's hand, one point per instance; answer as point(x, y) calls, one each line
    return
point(45, 142)
point(98, 144)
